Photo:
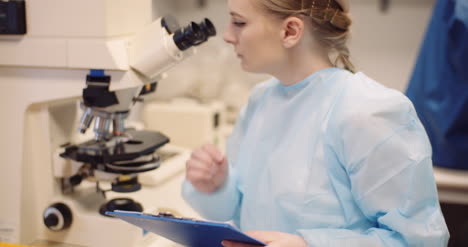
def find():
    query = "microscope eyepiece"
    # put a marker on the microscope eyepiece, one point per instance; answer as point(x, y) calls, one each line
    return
point(187, 36)
point(207, 27)
point(194, 34)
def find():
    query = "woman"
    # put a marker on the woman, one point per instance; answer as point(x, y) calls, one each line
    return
point(319, 156)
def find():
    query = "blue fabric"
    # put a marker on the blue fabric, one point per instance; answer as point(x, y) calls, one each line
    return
point(439, 84)
point(337, 158)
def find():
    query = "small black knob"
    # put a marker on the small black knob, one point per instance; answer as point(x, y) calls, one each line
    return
point(51, 220)
point(76, 180)
point(57, 217)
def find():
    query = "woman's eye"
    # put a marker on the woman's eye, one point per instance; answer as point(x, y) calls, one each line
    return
point(238, 23)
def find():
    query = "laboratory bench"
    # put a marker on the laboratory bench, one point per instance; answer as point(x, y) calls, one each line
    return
point(452, 186)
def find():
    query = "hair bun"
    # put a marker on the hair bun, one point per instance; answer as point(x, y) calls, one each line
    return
point(344, 4)
point(340, 20)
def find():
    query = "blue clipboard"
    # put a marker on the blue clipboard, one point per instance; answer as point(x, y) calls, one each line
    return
point(187, 232)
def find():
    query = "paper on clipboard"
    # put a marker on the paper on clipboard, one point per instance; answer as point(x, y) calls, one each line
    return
point(187, 232)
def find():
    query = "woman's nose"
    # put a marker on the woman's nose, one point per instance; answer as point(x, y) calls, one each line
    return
point(228, 36)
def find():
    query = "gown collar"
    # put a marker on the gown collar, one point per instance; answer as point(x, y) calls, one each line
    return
point(307, 80)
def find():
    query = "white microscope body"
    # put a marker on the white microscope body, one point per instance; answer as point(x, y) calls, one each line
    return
point(73, 51)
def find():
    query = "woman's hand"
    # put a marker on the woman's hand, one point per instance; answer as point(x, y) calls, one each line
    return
point(207, 169)
point(272, 239)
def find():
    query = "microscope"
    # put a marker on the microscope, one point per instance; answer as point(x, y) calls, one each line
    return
point(118, 153)
point(70, 74)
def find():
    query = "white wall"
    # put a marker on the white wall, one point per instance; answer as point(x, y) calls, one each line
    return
point(383, 45)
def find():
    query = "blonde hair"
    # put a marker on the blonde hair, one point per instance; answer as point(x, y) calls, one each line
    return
point(329, 22)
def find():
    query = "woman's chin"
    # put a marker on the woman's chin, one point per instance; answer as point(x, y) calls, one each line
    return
point(252, 70)
point(245, 66)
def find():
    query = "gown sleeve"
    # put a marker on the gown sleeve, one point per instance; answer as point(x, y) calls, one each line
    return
point(224, 204)
point(387, 157)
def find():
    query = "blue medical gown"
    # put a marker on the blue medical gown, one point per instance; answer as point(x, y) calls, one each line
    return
point(336, 158)
point(439, 84)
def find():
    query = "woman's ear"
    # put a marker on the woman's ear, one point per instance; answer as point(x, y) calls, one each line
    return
point(292, 31)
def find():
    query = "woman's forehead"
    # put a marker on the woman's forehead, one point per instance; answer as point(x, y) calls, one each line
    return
point(243, 8)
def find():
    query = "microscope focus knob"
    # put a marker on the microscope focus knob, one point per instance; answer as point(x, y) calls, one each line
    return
point(57, 217)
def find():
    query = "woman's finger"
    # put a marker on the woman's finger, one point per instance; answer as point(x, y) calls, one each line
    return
point(227, 243)
point(202, 156)
point(214, 153)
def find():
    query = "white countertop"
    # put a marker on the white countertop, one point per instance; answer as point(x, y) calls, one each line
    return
point(452, 185)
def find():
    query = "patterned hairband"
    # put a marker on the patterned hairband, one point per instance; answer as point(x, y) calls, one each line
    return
point(332, 20)
point(312, 8)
